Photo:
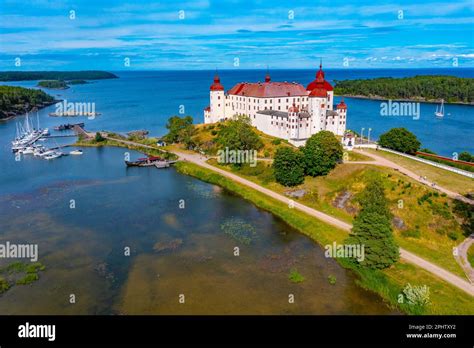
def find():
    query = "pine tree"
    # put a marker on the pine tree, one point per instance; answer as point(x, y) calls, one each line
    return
point(372, 228)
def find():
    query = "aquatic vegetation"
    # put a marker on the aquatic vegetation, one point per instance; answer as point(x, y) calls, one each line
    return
point(332, 279)
point(239, 230)
point(171, 245)
point(19, 273)
point(295, 276)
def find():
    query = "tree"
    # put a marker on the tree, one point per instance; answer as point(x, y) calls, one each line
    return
point(288, 166)
point(98, 137)
point(400, 139)
point(238, 134)
point(321, 153)
point(372, 229)
point(466, 157)
point(179, 128)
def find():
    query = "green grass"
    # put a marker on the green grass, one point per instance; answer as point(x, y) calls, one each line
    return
point(470, 255)
point(296, 277)
point(444, 178)
point(445, 298)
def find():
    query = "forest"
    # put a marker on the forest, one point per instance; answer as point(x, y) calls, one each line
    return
point(17, 100)
point(55, 75)
point(423, 88)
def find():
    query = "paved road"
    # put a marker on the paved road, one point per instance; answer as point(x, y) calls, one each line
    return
point(382, 161)
point(462, 259)
point(406, 255)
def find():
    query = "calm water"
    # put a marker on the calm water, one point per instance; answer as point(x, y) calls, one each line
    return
point(116, 207)
point(140, 100)
point(83, 248)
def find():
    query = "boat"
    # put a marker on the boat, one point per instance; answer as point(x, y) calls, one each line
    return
point(53, 155)
point(144, 162)
point(28, 150)
point(440, 112)
point(76, 152)
point(68, 126)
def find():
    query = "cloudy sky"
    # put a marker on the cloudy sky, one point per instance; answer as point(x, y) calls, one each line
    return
point(209, 34)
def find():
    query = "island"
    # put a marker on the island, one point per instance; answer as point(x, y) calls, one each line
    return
point(18, 100)
point(55, 75)
point(53, 84)
point(77, 82)
point(426, 88)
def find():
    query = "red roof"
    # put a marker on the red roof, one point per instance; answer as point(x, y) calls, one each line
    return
point(319, 92)
point(341, 105)
point(319, 82)
point(216, 86)
point(268, 89)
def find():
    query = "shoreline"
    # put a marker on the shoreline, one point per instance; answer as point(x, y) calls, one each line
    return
point(23, 113)
point(417, 100)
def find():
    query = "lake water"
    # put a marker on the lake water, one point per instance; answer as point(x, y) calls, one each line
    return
point(173, 251)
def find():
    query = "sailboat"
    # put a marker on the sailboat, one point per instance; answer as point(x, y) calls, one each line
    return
point(440, 112)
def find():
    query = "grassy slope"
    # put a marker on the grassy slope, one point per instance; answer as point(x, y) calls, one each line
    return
point(432, 222)
point(444, 178)
point(445, 298)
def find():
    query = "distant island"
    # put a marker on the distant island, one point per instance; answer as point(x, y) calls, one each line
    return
point(53, 84)
point(77, 82)
point(426, 88)
point(18, 100)
point(55, 75)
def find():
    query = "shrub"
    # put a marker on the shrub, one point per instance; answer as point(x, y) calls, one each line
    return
point(417, 295)
point(288, 167)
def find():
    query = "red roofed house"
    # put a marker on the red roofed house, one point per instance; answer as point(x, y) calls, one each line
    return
point(283, 109)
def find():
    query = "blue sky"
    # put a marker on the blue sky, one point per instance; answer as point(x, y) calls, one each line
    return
point(217, 34)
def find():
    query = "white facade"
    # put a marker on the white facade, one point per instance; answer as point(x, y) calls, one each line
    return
point(281, 109)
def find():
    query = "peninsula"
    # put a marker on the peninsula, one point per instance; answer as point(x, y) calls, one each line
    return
point(56, 75)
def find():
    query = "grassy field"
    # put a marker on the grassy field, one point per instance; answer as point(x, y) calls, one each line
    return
point(444, 178)
point(206, 134)
point(424, 224)
point(470, 255)
point(445, 299)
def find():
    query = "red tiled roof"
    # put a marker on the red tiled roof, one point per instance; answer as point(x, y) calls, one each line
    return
point(341, 105)
point(216, 86)
point(319, 92)
point(268, 89)
point(315, 84)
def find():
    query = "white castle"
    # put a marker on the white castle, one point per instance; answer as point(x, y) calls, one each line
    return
point(285, 110)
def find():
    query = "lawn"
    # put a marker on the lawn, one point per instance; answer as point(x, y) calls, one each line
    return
point(449, 180)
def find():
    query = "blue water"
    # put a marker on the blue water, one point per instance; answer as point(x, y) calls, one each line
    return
point(146, 99)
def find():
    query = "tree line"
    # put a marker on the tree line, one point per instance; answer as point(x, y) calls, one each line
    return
point(17, 100)
point(55, 75)
point(427, 87)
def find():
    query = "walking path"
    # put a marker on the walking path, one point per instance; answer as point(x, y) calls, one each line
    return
point(462, 259)
point(381, 161)
point(404, 254)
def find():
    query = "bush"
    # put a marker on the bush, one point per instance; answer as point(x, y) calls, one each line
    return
point(276, 141)
point(288, 166)
point(98, 137)
point(400, 139)
point(295, 277)
point(417, 295)
point(321, 153)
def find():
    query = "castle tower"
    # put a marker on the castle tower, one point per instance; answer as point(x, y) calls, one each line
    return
point(341, 110)
point(317, 103)
point(216, 111)
point(293, 124)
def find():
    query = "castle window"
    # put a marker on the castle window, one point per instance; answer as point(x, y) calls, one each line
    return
point(218, 105)
point(279, 100)
point(219, 97)
point(279, 108)
point(265, 102)
point(287, 100)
